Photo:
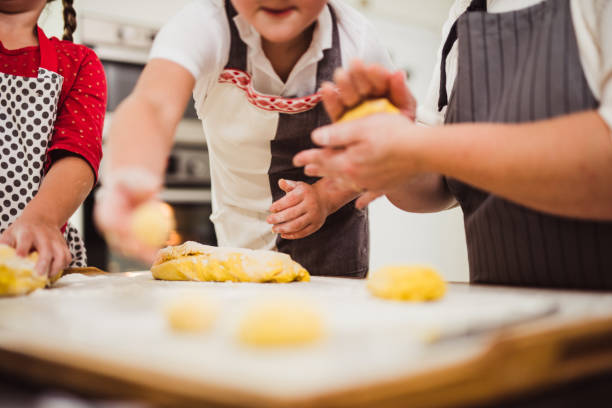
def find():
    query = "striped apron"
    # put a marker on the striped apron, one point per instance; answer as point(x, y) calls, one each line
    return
point(252, 139)
point(513, 67)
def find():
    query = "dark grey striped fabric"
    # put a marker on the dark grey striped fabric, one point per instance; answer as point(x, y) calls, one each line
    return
point(514, 67)
point(341, 246)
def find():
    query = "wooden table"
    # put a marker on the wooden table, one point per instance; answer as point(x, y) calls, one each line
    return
point(107, 335)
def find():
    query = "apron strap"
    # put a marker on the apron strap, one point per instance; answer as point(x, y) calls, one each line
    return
point(238, 49)
point(332, 57)
point(48, 55)
point(475, 5)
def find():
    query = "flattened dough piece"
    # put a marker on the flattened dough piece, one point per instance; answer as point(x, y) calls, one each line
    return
point(191, 313)
point(17, 275)
point(408, 283)
point(280, 323)
point(197, 262)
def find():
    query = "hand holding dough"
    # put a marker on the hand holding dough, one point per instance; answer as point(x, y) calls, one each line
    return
point(411, 283)
point(17, 274)
point(152, 223)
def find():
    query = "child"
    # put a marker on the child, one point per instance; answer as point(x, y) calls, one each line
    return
point(52, 103)
point(254, 68)
point(526, 148)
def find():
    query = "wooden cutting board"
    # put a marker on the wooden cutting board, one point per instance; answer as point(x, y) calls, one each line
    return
point(107, 334)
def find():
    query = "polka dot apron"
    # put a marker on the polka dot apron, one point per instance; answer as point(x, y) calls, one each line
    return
point(28, 108)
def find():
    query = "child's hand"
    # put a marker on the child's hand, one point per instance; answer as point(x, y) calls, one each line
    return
point(29, 233)
point(122, 192)
point(361, 82)
point(301, 212)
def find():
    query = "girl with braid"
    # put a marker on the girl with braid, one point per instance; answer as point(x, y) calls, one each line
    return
point(52, 104)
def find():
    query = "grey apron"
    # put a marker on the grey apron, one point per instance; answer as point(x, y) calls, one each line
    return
point(341, 246)
point(513, 67)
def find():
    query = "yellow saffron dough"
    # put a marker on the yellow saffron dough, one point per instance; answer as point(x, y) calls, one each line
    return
point(152, 223)
point(370, 107)
point(196, 262)
point(191, 313)
point(408, 283)
point(17, 275)
point(279, 323)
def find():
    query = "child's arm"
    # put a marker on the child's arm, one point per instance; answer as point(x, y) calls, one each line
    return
point(143, 126)
point(303, 210)
point(560, 166)
point(62, 190)
point(141, 136)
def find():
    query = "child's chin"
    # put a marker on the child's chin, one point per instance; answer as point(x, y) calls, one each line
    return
point(279, 33)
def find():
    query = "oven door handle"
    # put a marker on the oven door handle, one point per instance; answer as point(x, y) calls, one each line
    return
point(185, 195)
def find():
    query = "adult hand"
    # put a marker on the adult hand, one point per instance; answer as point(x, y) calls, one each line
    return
point(301, 212)
point(121, 193)
point(35, 233)
point(375, 154)
point(361, 82)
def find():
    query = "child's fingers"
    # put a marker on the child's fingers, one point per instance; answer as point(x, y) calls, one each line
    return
point(24, 241)
point(293, 226)
point(309, 229)
point(289, 200)
point(287, 214)
point(332, 101)
point(59, 261)
point(348, 93)
point(7, 238)
point(45, 256)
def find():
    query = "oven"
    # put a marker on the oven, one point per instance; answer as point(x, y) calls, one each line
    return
point(187, 178)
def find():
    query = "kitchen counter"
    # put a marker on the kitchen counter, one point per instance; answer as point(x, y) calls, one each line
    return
point(107, 335)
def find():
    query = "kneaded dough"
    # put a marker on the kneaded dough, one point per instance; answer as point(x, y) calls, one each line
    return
point(281, 322)
point(196, 262)
point(17, 275)
point(410, 283)
point(381, 105)
point(152, 223)
point(191, 313)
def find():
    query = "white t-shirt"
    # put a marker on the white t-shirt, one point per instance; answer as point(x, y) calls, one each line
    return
point(593, 28)
point(238, 127)
point(198, 38)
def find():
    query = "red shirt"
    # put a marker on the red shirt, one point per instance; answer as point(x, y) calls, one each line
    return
point(82, 102)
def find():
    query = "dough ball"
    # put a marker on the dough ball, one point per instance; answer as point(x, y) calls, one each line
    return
point(281, 322)
point(370, 107)
point(152, 223)
point(191, 313)
point(17, 275)
point(410, 283)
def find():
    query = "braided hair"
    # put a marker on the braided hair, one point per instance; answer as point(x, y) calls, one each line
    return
point(69, 19)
